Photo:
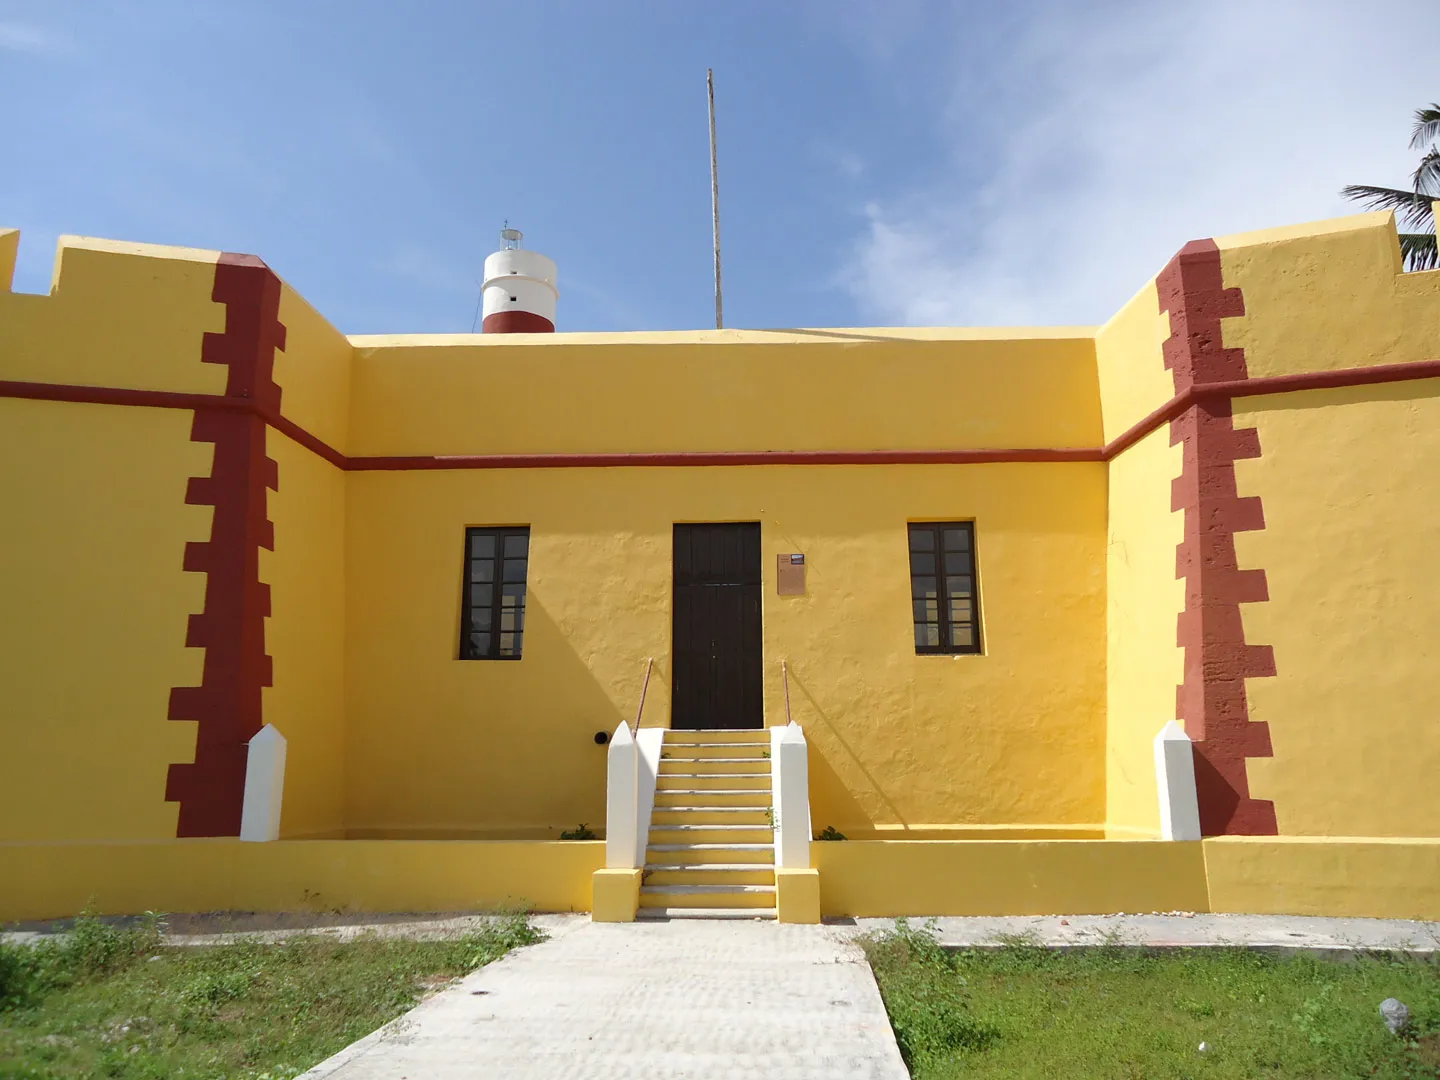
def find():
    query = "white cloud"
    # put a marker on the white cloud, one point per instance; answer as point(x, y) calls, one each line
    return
point(1108, 138)
point(18, 37)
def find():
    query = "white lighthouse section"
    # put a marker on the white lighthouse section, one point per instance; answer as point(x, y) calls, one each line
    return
point(519, 290)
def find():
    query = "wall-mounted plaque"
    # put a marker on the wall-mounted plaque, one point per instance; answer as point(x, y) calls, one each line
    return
point(790, 575)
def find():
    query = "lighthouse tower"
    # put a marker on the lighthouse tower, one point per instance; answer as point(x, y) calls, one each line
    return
point(519, 289)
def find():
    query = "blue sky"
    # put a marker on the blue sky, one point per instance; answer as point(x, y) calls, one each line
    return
point(905, 163)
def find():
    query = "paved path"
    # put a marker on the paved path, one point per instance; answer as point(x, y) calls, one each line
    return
point(682, 1000)
point(1275, 933)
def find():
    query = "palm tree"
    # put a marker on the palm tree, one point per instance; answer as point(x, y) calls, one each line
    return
point(1413, 207)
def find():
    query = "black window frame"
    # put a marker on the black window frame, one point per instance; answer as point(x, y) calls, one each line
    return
point(944, 598)
point(472, 598)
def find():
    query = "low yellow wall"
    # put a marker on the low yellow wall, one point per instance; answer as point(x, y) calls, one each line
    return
point(1000, 877)
point(52, 880)
point(1367, 877)
point(1374, 877)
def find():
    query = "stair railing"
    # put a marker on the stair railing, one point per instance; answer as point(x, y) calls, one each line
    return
point(785, 676)
point(644, 687)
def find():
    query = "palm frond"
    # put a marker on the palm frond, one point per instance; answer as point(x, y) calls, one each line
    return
point(1427, 127)
point(1420, 251)
point(1412, 207)
point(1426, 180)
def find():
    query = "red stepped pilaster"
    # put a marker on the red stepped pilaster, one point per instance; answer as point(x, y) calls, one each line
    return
point(1212, 700)
point(227, 703)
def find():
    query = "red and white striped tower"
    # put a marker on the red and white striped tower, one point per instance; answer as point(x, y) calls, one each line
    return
point(519, 290)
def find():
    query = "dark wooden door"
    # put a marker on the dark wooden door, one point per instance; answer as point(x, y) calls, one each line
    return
point(716, 634)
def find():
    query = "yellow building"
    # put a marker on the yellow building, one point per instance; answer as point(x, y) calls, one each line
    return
point(980, 569)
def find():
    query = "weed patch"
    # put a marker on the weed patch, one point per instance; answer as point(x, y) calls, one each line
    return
point(926, 997)
point(1021, 1010)
point(109, 1002)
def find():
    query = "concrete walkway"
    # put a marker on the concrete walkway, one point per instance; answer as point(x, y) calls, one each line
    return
point(682, 1000)
point(1272, 933)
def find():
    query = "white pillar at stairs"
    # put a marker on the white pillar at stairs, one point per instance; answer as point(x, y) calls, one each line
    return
point(1175, 783)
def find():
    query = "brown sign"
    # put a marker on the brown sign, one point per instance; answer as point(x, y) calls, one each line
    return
point(790, 575)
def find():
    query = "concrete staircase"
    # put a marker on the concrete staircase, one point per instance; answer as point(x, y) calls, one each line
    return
point(711, 850)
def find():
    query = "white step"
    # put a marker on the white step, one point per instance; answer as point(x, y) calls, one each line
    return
point(747, 867)
point(713, 776)
point(709, 890)
point(705, 913)
point(712, 847)
point(715, 760)
point(716, 791)
point(712, 809)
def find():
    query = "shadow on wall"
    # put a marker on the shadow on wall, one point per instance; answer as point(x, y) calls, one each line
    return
point(455, 749)
point(831, 802)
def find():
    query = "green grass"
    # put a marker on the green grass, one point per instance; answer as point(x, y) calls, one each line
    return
point(108, 1002)
point(1025, 1011)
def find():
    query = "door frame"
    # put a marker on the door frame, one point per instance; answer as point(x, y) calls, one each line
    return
point(749, 701)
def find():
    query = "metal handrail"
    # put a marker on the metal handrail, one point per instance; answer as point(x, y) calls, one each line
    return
point(649, 663)
point(785, 675)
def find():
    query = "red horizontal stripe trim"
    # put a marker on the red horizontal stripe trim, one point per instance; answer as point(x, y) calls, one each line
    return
point(165, 399)
point(1325, 380)
point(1269, 384)
point(719, 457)
point(109, 395)
point(310, 442)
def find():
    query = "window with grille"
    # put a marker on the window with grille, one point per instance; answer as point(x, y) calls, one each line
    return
point(942, 587)
point(492, 611)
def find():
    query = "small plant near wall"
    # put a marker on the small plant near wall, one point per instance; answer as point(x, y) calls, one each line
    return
point(830, 833)
point(770, 816)
point(582, 832)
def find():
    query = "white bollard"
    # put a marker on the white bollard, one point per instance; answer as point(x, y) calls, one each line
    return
point(621, 775)
point(790, 784)
point(1175, 783)
point(264, 786)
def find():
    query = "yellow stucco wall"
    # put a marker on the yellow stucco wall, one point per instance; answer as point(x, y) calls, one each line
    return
point(1065, 877)
point(736, 390)
point(50, 880)
point(305, 636)
point(94, 596)
point(1364, 878)
point(313, 372)
point(9, 251)
point(1133, 379)
point(1143, 597)
point(1328, 295)
point(95, 606)
point(1047, 734)
point(146, 305)
point(1013, 736)
point(1283, 876)
point(1348, 482)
